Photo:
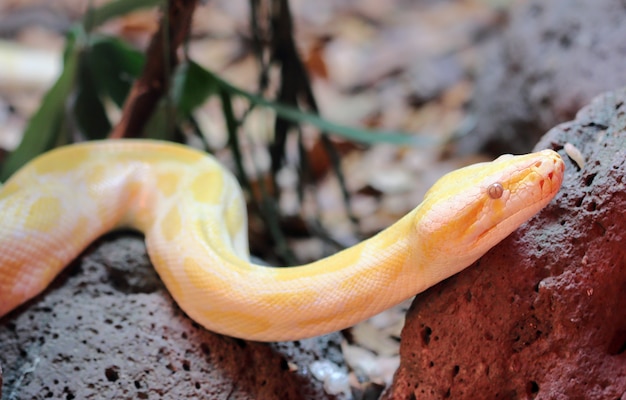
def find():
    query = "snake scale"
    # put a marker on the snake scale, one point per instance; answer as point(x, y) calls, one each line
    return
point(192, 213)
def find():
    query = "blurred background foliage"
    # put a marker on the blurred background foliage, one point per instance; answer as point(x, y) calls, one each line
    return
point(99, 71)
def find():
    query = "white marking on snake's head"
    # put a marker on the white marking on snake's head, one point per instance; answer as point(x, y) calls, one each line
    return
point(471, 209)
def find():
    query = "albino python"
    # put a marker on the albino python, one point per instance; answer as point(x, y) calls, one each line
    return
point(192, 213)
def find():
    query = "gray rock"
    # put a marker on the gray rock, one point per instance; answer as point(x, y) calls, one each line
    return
point(551, 60)
point(107, 329)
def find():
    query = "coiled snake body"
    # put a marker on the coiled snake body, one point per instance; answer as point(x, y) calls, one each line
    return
point(192, 213)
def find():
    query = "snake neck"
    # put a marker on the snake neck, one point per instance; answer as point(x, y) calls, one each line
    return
point(235, 297)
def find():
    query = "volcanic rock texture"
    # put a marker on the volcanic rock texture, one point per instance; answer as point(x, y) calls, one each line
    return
point(543, 314)
point(107, 329)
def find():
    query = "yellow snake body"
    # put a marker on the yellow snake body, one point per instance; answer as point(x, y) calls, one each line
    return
point(192, 213)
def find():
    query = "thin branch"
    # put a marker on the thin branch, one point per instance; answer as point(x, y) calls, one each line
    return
point(161, 60)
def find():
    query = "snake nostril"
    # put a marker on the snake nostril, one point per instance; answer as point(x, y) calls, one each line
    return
point(550, 175)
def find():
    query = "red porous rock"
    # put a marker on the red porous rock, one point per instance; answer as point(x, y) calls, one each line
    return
point(543, 314)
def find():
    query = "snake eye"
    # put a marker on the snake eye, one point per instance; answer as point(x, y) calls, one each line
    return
point(495, 190)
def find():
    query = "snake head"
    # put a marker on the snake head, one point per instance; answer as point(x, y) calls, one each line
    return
point(471, 209)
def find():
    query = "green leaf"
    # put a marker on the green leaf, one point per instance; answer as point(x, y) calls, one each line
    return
point(191, 88)
point(114, 66)
point(89, 111)
point(208, 83)
point(231, 120)
point(44, 128)
point(161, 125)
point(107, 70)
point(298, 116)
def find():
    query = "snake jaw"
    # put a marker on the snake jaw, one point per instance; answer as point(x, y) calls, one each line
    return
point(466, 221)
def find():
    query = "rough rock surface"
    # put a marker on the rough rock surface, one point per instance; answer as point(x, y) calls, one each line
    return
point(542, 315)
point(107, 329)
point(552, 59)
